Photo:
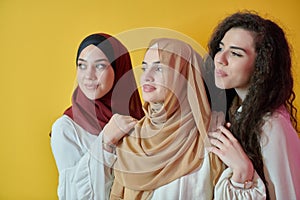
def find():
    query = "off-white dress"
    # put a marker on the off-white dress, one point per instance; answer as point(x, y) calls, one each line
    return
point(85, 168)
point(281, 155)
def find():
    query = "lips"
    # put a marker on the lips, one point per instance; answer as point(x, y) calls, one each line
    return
point(91, 86)
point(220, 73)
point(148, 88)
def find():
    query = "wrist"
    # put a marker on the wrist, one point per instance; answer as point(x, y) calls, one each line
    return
point(245, 185)
point(108, 143)
point(243, 174)
point(109, 147)
point(107, 139)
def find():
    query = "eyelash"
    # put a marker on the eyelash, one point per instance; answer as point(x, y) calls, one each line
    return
point(101, 66)
point(158, 68)
point(236, 54)
point(83, 66)
point(232, 52)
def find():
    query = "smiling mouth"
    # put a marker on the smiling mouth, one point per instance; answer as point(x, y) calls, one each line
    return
point(91, 86)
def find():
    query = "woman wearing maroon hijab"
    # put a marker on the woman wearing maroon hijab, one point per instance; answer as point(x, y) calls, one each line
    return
point(106, 85)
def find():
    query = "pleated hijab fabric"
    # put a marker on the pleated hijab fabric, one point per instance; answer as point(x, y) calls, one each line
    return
point(93, 115)
point(169, 141)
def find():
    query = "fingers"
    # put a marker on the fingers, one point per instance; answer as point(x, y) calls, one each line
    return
point(228, 125)
point(227, 133)
point(221, 138)
point(124, 123)
point(218, 139)
point(217, 119)
point(117, 127)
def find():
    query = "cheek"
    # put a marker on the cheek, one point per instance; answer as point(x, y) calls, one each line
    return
point(142, 78)
point(107, 78)
point(245, 74)
point(248, 71)
point(79, 76)
point(164, 92)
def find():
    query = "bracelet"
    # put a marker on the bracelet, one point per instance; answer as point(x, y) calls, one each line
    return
point(246, 185)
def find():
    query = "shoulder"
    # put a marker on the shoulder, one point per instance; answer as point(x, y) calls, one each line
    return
point(64, 122)
point(278, 128)
point(63, 127)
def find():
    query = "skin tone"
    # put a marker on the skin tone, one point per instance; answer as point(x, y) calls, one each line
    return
point(154, 77)
point(95, 75)
point(234, 63)
point(234, 66)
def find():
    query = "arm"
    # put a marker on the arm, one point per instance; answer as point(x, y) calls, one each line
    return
point(226, 189)
point(117, 127)
point(81, 162)
point(239, 180)
point(280, 151)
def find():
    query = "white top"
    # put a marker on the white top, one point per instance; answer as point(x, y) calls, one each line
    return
point(281, 155)
point(85, 168)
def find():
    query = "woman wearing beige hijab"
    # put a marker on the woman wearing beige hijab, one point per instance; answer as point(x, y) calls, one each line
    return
point(164, 157)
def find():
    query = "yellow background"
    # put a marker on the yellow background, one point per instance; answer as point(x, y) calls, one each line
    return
point(38, 43)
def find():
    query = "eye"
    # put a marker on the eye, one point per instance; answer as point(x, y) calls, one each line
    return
point(220, 48)
point(81, 66)
point(101, 66)
point(159, 68)
point(143, 68)
point(236, 54)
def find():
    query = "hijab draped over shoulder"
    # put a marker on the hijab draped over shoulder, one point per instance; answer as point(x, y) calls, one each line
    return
point(169, 141)
point(93, 115)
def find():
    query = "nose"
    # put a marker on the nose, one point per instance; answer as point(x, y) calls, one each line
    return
point(221, 58)
point(91, 73)
point(147, 75)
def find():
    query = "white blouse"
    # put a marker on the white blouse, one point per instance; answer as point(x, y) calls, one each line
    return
point(281, 155)
point(85, 169)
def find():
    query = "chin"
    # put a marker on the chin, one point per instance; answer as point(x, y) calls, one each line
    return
point(91, 97)
point(220, 84)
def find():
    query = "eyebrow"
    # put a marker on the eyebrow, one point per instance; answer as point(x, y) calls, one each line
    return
point(145, 63)
point(235, 47)
point(99, 60)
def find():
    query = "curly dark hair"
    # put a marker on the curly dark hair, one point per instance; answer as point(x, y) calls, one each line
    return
point(271, 84)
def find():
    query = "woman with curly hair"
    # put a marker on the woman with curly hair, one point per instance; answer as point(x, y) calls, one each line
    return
point(252, 60)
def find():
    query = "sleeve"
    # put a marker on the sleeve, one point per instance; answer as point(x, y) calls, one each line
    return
point(226, 189)
point(83, 173)
point(281, 150)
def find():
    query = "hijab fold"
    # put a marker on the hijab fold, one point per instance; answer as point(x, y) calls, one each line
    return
point(169, 141)
point(93, 115)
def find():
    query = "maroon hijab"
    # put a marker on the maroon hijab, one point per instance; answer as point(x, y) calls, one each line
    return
point(123, 98)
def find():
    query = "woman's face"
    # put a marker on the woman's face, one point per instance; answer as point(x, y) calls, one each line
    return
point(95, 74)
point(155, 77)
point(234, 62)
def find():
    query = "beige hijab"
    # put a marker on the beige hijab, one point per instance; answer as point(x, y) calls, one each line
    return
point(169, 141)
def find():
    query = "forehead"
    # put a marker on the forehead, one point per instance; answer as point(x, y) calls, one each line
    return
point(92, 50)
point(239, 37)
point(152, 54)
